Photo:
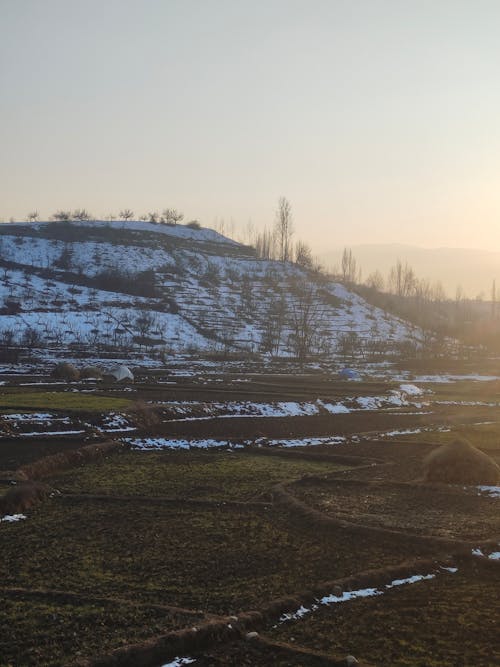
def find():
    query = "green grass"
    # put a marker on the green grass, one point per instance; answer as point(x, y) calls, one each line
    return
point(210, 475)
point(215, 559)
point(48, 400)
point(47, 632)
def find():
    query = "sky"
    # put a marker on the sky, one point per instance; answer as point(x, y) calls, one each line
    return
point(379, 120)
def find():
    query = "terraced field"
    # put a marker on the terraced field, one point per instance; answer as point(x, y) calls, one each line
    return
point(126, 551)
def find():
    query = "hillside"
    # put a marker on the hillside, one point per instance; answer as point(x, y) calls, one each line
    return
point(137, 285)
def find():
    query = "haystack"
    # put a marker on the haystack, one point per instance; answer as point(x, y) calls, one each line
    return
point(459, 462)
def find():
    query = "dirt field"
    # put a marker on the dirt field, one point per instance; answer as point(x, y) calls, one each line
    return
point(139, 547)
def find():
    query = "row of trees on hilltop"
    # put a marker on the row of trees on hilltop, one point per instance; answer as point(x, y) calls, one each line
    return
point(169, 216)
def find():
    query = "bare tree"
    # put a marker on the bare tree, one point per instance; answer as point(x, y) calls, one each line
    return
point(33, 216)
point(62, 216)
point(144, 323)
point(284, 229)
point(402, 279)
point(303, 255)
point(31, 337)
point(306, 321)
point(265, 244)
point(153, 217)
point(81, 214)
point(172, 216)
point(126, 214)
point(349, 268)
point(375, 281)
point(274, 325)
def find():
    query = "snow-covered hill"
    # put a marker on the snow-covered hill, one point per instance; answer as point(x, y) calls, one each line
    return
point(137, 284)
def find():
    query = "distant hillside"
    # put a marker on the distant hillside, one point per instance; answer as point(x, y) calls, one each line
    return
point(105, 286)
point(474, 270)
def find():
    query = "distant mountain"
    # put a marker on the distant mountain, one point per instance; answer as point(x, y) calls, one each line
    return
point(136, 285)
point(474, 270)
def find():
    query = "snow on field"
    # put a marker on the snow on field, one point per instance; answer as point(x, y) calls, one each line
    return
point(306, 442)
point(12, 518)
point(446, 378)
point(279, 409)
point(116, 423)
point(192, 410)
point(176, 443)
point(33, 416)
point(413, 431)
point(492, 491)
point(333, 408)
point(411, 389)
point(178, 662)
point(208, 443)
point(348, 596)
point(493, 555)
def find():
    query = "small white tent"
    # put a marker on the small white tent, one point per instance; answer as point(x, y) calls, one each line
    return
point(122, 374)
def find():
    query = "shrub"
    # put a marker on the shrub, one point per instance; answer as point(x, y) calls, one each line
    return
point(144, 416)
point(65, 371)
point(23, 496)
point(90, 372)
point(460, 463)
point(194, 224)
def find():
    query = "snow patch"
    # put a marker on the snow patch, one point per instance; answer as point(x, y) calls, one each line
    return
point(411, 389)
point(347, 596)
point(492, 491)
point(11, 518)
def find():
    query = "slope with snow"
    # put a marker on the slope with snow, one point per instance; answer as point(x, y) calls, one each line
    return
point(113, 284)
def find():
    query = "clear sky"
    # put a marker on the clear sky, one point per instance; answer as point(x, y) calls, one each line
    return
point(378, 120)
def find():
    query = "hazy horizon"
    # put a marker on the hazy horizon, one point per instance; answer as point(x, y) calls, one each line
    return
point(377, 120)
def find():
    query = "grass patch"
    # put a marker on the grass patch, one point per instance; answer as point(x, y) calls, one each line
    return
point(450, 620)
point(51, 633)
point(58, 400)
point(216, 559)
point(451, 512)
point(223, 475)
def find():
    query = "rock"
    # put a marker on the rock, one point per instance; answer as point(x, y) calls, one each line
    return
point(351, 660)
point(251, 635)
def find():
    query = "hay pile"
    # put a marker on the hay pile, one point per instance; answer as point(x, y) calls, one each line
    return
point(460, 463)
